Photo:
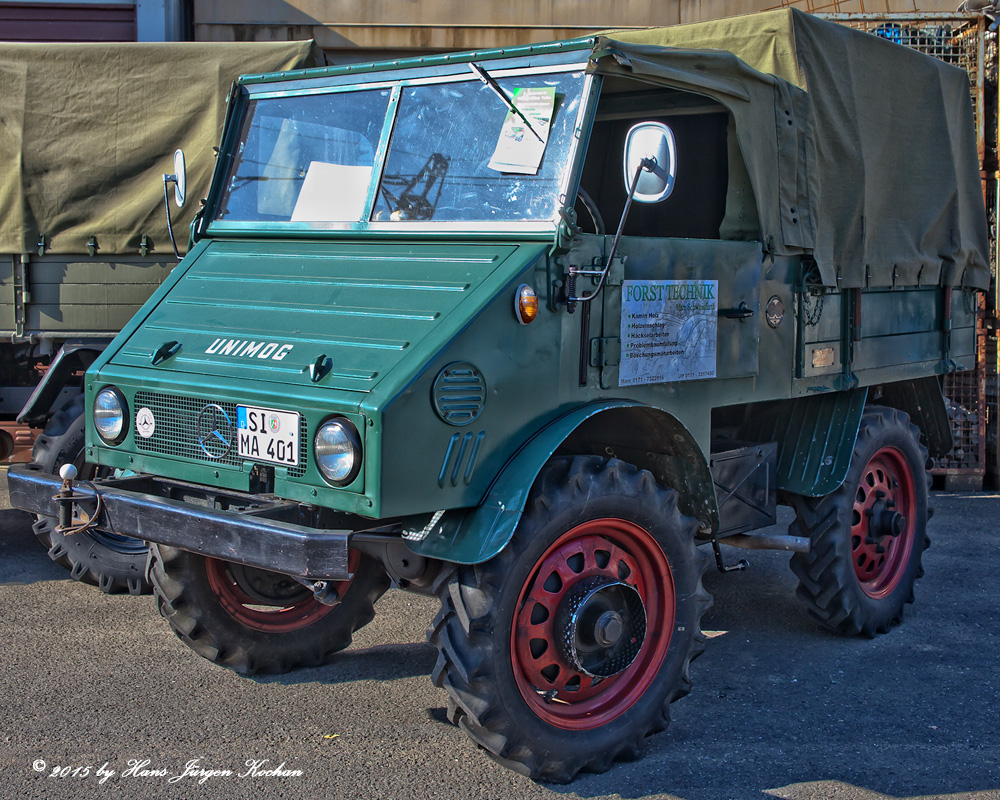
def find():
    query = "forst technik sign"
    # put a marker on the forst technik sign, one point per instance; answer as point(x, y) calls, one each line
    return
point(668, 331)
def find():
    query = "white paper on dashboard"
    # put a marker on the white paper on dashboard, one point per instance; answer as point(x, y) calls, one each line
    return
point(332, 193)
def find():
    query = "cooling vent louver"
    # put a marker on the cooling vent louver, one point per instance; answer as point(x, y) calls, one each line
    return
point(459, 393)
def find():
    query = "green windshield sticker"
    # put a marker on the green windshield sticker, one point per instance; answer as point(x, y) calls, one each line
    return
point(522, 140)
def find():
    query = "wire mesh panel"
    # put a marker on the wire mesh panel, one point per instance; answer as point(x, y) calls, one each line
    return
point(846, 6)
point(960, 39)
point(967, 412)
point(991, 361)
point(957, 39)
point(992, 398)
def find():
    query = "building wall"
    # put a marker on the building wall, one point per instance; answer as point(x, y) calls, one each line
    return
point(94, 21)
point(67, 22)
point(353, 30)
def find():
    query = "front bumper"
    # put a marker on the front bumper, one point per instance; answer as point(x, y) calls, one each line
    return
point(258, 531)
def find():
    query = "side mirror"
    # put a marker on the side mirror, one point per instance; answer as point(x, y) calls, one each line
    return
point(179, 178)
point(654, 141)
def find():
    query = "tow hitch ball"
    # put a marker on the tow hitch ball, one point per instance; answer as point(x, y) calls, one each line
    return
point(65, 497)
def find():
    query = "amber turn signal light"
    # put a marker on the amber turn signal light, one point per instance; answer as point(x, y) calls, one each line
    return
point(525, 304)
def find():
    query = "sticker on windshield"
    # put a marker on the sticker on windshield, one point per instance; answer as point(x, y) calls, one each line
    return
point(319, 201)
point(668, 331)
point(523, 136)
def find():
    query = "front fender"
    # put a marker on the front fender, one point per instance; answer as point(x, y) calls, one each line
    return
point(478, 534)
point(72, 356)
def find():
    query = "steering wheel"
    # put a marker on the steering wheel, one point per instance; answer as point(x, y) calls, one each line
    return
point(588, 203)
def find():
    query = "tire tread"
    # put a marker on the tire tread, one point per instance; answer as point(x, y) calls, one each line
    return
point(827, 585)
point(463, 630)
point(179, 589)
point(88, 561)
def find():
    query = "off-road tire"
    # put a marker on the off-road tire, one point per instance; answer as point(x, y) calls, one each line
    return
point(188, 596)
point(844, 582)
point(485, 628)
point(115, 564)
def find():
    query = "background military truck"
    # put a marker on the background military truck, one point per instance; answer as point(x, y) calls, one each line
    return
point(523, 329)
point(86, 133)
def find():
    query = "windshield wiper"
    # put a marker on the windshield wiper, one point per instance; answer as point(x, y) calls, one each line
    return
point(488, 79)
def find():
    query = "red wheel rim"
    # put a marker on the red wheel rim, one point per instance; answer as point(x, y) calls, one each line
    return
point(287, 606)
point(883, 523)
point(603, 548)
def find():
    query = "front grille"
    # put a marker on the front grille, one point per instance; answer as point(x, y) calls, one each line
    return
point(176, 430)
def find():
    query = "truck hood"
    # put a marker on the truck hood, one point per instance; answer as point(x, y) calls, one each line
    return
point(338, 315)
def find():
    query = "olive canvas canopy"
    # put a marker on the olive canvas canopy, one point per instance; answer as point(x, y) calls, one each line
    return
point(861, 152)
point(87, 131)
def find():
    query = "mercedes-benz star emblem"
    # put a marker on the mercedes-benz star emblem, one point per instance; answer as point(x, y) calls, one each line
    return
point(215, 431)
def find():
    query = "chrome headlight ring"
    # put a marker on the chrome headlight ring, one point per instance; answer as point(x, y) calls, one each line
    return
point(337, 451)
point(110, 414)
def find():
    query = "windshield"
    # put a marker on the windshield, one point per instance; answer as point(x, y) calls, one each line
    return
point(457, 152)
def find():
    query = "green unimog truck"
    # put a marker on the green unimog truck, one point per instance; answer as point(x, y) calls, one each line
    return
point(533, 331)
point(86, 133)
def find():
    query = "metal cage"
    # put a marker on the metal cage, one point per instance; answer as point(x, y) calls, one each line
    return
point(964, 40)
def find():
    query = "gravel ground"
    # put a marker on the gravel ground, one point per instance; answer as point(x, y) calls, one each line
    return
point(780, 709)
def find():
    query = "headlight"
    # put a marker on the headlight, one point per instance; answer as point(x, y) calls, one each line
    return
point(337, 448)
point(110, 413)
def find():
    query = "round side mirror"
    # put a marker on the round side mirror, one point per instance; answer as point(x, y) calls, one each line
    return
point(180, 178)
point(652, 140)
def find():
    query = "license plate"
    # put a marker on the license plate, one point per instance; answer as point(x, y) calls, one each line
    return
point(267, 435)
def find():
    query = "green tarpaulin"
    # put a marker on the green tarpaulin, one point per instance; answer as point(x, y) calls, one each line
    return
point(87, 130)
point(861, 152)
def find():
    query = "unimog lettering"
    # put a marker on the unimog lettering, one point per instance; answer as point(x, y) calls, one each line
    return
point(548, 399)
point(249, 349)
